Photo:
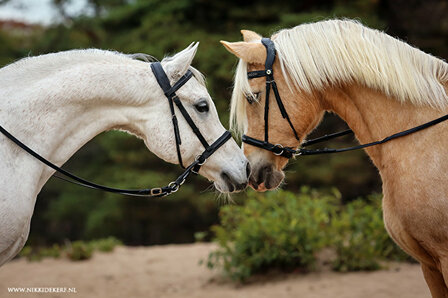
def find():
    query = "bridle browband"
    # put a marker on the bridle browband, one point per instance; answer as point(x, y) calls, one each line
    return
point(289, 152)
point(170, 93)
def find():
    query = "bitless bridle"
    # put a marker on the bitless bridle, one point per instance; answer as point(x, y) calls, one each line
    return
point(170, 93)
point(289, 152)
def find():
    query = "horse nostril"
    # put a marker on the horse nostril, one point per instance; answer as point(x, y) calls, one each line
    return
point(248, 170)
point(228, 181)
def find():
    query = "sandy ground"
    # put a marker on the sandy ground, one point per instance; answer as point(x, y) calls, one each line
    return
point(173, 271)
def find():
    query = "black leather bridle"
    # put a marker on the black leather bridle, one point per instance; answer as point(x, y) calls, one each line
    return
point(289, 152)
point(170, 93)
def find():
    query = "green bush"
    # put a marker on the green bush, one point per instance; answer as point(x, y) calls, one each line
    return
point(75, 251)
point(273, 230)
point(105, 245)
point(360, 239)
point(285, 231)
point(79, 250)
point(358, 234)
point(38, 254)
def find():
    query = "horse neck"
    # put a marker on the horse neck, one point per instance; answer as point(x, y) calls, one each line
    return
point(373, 116)
point(57, 113)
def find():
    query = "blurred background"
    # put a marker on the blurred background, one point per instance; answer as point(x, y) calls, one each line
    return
point(163, 27)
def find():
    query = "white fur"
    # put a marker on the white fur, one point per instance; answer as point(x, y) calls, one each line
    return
point(314, 56)
point(56, 103)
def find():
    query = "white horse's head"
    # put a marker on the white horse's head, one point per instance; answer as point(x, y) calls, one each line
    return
point(227, 167)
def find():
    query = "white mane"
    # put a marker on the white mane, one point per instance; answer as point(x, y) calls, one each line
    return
point(335, 52)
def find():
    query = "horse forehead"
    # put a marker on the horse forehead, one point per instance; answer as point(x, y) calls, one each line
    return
point(193, 90)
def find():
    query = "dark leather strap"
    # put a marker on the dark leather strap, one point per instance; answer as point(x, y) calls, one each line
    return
point(183, 79)
point(211, 149)
point(266, 113)
point(164, 83)
point(190, 121)
point(153, 192)
point(276, 149)
point(256, 74)
point(270, 53)
point(327, 137)
point(289, 152)
point(302, 151)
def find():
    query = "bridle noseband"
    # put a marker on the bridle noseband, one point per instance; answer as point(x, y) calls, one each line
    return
point(170, 93)
point(289, 152)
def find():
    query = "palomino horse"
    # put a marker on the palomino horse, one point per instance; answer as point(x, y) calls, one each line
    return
point(56, 103)
point(379, 86)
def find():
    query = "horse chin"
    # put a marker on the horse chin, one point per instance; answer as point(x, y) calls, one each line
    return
point(221, 187)
point(228, 184)
point(224, 188)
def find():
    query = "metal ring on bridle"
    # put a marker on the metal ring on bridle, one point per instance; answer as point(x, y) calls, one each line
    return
point(279, 146)
point(199, 162)
point(174, 186)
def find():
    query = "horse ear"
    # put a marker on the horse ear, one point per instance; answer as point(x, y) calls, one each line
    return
point(249, 35)
point(179, 63)
point(250, 52)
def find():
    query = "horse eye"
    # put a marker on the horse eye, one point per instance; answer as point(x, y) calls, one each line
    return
point(202, 107)
point(251, 98)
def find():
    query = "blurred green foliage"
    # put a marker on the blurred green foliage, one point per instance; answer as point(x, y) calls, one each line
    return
point(164, 27)
point(286, 231)
point(76, 251)
point(360, 239)
point(79, 251)
point(277, 230)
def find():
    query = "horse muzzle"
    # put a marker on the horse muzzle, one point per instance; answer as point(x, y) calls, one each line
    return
point(265, 177)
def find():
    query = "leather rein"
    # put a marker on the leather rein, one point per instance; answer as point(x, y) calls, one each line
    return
point(289, 152)
point(172, 187)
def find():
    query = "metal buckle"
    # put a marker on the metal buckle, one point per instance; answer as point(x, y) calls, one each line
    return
point(280, 147)
point(155, 191)
point(174, 186)
point(268, 71)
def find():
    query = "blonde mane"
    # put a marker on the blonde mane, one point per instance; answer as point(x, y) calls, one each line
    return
point(335, 52)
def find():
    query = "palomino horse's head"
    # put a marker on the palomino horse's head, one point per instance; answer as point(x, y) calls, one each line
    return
point(248, 102)
point(227, 167)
